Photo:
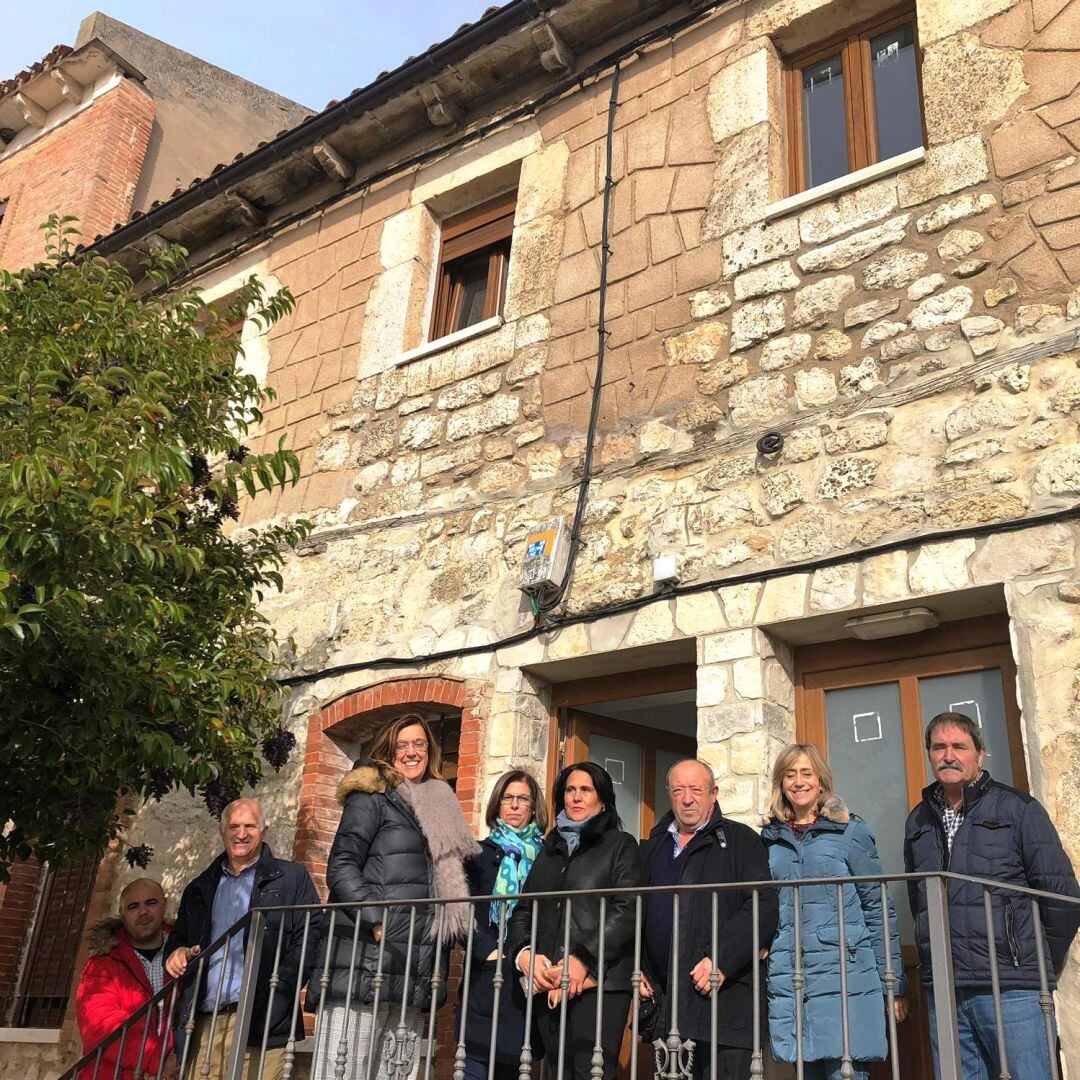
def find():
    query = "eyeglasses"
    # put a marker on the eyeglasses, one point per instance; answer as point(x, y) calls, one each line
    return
point(516, 800)
point(416, 744)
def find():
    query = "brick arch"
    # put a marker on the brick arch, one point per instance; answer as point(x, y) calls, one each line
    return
point(325, 762)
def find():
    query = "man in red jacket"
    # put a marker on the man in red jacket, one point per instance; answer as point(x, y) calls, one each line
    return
point(123, 972)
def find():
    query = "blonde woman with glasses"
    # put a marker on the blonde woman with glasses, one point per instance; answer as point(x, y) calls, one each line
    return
point(811, 834)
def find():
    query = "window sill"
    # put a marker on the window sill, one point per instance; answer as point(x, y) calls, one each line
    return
point(41, 1036)
point(450, 340)
point(845, 183)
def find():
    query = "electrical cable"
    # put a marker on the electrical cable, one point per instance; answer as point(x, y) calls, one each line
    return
point(547, 605)
point(636, 603)
point(115, 241)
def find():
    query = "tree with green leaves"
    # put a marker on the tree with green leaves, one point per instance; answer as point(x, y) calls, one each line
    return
point(133, 656)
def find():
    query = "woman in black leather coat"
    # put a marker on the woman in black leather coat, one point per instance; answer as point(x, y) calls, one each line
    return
point(587, 849)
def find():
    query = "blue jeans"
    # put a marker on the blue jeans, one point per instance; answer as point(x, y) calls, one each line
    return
point(1023, 1026)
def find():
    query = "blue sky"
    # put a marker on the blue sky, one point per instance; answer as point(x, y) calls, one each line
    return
point(310, 52)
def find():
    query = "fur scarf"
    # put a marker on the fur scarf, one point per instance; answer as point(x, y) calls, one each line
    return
point(446, 832)
point(449, 842)
point(835, 809)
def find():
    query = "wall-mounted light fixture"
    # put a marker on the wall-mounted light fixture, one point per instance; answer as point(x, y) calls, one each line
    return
point(886, 624)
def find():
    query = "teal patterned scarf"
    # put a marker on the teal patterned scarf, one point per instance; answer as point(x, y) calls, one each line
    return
point(520, 848)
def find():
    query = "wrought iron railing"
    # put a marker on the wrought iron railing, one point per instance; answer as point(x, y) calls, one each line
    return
point(405, 1055)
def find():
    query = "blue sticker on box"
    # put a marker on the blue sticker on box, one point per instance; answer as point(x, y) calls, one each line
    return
point(536, 548)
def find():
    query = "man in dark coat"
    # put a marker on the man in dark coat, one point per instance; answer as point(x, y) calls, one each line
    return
point(245, 876)
point(970, 824)
point(694, 844)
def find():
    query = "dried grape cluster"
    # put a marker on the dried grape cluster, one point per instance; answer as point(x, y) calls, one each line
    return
point(139, 856)
point(278, 747)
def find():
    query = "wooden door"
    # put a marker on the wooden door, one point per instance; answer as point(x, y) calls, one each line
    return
point(584, 736)
point(636, 757)
point(865, 705)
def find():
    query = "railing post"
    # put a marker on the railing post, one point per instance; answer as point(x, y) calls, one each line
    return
point(248, 988)
point(941, 974)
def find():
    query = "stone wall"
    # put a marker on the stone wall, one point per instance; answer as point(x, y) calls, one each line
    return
point(913, 338)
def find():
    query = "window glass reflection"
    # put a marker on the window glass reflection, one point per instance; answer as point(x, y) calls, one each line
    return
point(824, 121)
point(896, 91)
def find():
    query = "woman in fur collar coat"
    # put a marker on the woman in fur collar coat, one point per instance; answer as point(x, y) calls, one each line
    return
point(402, 836)
point(812, 835)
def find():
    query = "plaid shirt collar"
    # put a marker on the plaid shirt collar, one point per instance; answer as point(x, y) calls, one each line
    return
point(951, 818)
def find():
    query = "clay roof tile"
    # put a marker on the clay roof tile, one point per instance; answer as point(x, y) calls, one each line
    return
point(53, 56)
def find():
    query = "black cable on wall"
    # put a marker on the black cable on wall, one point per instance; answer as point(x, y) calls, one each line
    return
point(751, 577)
point(548, 604)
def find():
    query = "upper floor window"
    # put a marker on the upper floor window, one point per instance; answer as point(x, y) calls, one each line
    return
point(854, 101)
point(474, 256)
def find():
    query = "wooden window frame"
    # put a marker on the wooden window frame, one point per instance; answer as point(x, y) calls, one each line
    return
point(966, 645)
point(564, 741)
point(860, 119)
point(45, 966)
point(481, 234)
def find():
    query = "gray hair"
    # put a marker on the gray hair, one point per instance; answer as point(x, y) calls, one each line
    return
point(696, 761)
point(260, 817)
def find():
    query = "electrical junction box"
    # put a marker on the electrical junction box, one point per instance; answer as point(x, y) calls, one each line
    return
point(547, 549)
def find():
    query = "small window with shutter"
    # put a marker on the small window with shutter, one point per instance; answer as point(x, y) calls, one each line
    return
point(49, 964)
point(474, 254)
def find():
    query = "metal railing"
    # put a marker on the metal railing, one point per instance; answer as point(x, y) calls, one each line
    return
point(341, 1055)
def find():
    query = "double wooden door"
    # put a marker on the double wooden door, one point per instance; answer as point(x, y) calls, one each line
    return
point(866, 705)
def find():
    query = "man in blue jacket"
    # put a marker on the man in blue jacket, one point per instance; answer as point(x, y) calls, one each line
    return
point(968, 823)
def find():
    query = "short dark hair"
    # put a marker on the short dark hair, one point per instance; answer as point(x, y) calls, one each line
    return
point(601, 778)
point(958, 720)
point(517, 776)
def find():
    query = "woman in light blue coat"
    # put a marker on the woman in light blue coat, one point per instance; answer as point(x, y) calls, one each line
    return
point(811, 835)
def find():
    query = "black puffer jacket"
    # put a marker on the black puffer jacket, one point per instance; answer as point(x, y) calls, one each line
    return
point(723, 851)
point(1008, 836)
point(379, 853)
point(606, 858)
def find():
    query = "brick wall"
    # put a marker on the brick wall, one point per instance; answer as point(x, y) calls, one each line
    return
point(87, 166)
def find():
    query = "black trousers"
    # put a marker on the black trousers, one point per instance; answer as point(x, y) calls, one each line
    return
point(581, 1033)
point(732, 1062)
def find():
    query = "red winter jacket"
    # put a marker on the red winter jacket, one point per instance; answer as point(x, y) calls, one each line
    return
point(112, 987)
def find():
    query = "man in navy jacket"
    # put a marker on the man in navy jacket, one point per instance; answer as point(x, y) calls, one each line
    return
point(246, 875)
point(694, 844)
point(970, 824)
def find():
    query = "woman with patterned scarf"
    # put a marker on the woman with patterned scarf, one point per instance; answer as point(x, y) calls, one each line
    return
point(516, 817)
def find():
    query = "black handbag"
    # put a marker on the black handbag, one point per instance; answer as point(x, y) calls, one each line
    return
point(651, 1015)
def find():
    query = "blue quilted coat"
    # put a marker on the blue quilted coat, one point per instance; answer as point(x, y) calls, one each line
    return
point(835, 846)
